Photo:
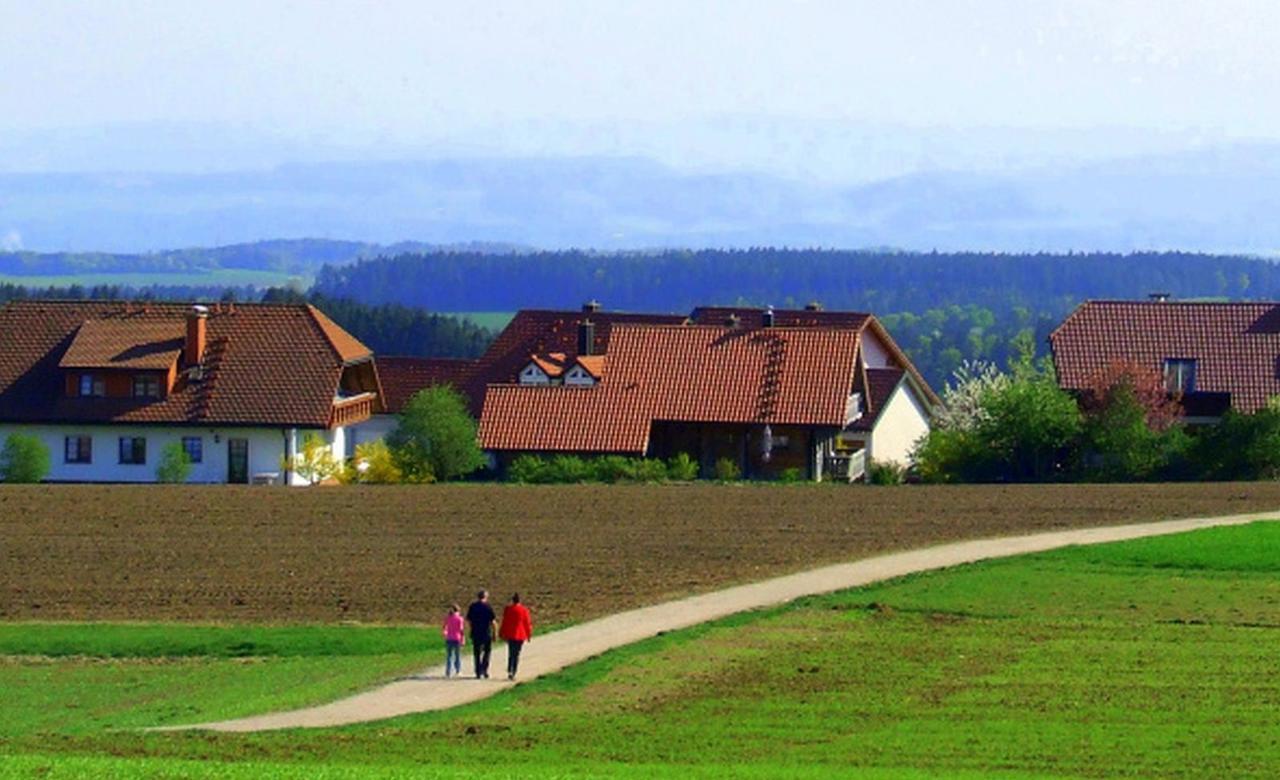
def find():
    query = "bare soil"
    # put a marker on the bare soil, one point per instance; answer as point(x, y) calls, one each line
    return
point(399, 554)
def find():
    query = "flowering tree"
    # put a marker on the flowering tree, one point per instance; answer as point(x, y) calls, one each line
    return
point(1130, 379)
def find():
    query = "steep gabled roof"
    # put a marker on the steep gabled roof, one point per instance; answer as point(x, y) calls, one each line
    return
point(689, 373)
point(540, 331)
point(264, 364)
point(1236, 345)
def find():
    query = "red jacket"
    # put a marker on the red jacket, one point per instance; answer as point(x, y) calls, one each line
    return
point(516, 623)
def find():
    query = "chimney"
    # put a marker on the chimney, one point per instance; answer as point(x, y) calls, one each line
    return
point(1159, 297)
point(592, 306)
point(586, 337)
point(768, 317)
point(813, 306)
point(193, 349)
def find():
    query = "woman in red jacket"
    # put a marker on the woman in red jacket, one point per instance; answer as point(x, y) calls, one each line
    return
point(517, 628)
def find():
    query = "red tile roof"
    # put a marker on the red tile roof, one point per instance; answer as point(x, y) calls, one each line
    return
point(1236, 345)
point(539, 331)
point(265, 364)
point(401, 377)
point(800, 376)
point(152, 345)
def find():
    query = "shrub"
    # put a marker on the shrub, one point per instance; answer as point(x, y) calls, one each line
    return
point(727, 471)
point(374, 465)
point(682, 468)
point(648, 470)
point(436, 437)
point(24, 458)
point(1242, 446)
point(528, 469)
point(566, 469)
point(613, 468)
point(791, 475)
point(314, 461)
point(175, 464)
point(886, 472)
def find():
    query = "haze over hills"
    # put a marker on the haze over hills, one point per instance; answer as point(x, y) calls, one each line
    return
point(918, 192)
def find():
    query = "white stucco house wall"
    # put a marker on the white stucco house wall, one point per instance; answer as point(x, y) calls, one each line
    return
point(106, 386)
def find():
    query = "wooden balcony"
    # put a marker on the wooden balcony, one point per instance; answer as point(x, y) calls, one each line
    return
point(353, 409)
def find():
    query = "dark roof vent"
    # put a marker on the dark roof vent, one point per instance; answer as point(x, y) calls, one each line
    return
point(1159, 297)
point(769, 317)
point(813, 306)
point(591, 306)
point(733, 320)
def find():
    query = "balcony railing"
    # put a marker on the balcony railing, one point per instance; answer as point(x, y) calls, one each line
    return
point(352, 410)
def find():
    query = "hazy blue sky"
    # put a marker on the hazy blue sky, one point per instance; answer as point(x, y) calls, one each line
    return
point(439, 73)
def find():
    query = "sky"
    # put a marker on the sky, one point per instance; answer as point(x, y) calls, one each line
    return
point(696, 80)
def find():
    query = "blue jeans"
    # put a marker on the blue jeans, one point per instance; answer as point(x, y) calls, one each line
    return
point(452, 658)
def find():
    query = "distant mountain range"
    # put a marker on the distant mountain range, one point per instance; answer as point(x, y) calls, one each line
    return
point(1215, 200)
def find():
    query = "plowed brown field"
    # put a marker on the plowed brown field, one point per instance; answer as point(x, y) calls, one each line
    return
point(398, 554)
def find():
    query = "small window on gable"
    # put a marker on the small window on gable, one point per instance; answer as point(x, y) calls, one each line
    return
point(578, 376)
point(92, 386)
point(1180, 375)
point(532, 375)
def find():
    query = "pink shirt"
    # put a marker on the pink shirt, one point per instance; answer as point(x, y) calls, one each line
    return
point(453, 627)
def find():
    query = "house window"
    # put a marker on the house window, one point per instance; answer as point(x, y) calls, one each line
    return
point(194, 447)
point(532, 375)
point(1180, 375)
point(146, 386)
point(92, 386)
point(78, 449)
point(133, 450)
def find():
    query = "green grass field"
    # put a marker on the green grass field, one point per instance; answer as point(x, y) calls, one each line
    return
point(493, 320)
point(1147, 658)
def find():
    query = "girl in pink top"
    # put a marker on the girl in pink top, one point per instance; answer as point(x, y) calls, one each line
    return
point(453, 639)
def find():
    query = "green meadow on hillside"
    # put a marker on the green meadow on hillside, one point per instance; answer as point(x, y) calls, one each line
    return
point(1153, 657)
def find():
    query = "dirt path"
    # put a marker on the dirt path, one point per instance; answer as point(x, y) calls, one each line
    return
point(552, 652)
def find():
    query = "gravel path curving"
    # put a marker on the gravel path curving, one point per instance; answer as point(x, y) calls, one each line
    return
point(552, 652)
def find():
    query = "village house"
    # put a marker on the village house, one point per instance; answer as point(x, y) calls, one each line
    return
point(107, 385)
point(1213, 356)
point(808, 391)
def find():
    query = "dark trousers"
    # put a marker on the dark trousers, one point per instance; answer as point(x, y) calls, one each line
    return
point(481, 648)
point(513, 655)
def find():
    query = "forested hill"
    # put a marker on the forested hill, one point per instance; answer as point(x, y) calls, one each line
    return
point(881, 282)
point(942, 308)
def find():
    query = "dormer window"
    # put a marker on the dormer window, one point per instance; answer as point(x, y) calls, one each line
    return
point(533, 375)
point(1180, 375)
point(578, 376)
point(92, 386)
point(146, 386)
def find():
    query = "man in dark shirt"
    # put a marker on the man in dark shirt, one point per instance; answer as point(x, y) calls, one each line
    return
point(481, 619)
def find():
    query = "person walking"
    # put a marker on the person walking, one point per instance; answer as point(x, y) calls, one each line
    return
point(481, 619)
point(517, 628)
point(453, 640)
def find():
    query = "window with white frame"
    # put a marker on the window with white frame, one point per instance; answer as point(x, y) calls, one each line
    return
point(1180, 375)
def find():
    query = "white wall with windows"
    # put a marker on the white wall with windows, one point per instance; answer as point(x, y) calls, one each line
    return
point(95, 453)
